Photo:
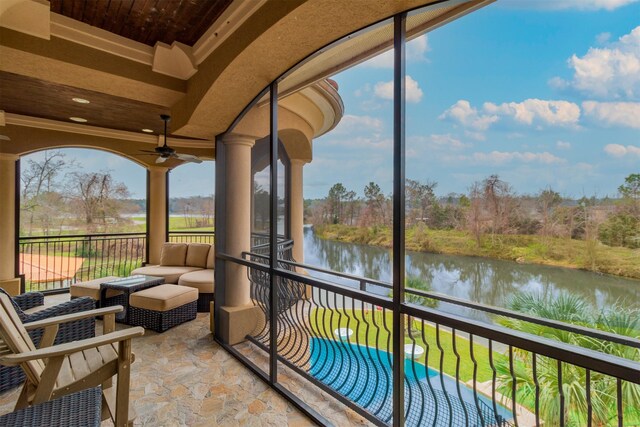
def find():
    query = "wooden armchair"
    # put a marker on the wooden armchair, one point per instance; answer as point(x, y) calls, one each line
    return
point(55, 371)
point(24, 304)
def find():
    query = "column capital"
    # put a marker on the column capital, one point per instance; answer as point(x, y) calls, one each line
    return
point(238, 139)
point(9, 156)
point(157, 168)
point(300, 162)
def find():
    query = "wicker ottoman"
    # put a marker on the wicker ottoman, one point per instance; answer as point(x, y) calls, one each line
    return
point(163, 307)
point(91, 288)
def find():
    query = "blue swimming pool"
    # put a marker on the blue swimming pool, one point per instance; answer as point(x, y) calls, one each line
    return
point(363, 375)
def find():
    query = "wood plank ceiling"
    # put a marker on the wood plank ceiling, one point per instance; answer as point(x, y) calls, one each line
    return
point(38, 98)
point(146, 21)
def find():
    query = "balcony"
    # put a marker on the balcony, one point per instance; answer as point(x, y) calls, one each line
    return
point(335, 352)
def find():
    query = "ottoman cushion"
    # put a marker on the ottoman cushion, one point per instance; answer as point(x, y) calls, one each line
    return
point(91, 288)
point(163, 297)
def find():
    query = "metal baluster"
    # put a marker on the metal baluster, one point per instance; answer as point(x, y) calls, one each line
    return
point(537, 386)
point(475, 377)
point(455, 352)
point(381, 367)
point(388, 389)
point(561, 393)
point(588, 396)
point(513, 386)
point(620, 411)
point(493, 385)
point(441, 373)
point(427, 347)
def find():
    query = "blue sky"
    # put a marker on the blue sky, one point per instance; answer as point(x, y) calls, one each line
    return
point(543, 93)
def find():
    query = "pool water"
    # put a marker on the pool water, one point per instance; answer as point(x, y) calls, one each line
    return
point(364, 375)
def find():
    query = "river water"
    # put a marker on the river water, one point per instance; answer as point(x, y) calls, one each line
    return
point(482, 280)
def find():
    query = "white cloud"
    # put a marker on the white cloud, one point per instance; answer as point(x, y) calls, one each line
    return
point(463, 113)
point(528, 112)
point(625, 114)
point(351, 123)
point(384, 90)
point(563, 145)
point(608, 72)
point(415, 51)
point(617, 150)
point(500, 157)
point(568, 4)
point(537, 111)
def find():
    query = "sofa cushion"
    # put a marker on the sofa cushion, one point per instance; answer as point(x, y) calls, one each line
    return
point(197, 254)
point(211, 261)
point(163, 297)
point(91, 288)
point(174, 254)
point(170, 274)
point(202, 280)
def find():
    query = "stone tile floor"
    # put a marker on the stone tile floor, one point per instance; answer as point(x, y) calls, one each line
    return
point(184, 378)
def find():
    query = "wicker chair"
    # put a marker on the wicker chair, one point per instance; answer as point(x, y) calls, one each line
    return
point(13, 376)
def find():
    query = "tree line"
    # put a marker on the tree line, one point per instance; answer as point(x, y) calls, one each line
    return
point(57, 195)
point(491, 207)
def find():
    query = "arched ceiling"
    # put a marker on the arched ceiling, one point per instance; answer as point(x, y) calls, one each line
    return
point(48, 58)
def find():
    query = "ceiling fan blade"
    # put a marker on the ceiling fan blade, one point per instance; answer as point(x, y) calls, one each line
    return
point(187, 158)
point(161, 159)
point(148, 151)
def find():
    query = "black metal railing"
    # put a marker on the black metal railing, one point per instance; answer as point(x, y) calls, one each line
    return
point(51, 263)
point(192, 237)
point(457, 371)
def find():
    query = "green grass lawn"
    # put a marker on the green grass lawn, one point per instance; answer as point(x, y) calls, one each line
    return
point(580, 254)
point(323, 324)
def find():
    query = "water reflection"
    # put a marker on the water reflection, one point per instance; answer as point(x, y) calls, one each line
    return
point(481, 280)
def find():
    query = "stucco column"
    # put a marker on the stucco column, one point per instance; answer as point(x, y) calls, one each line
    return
point(238, 215)
point(238, 316)
point(157, 200)
point(8, 278)
point(297, 209)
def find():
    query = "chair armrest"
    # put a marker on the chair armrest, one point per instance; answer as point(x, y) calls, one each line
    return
point(72, 347)
point(72, 317)
point(67, 307)
point(29, 300)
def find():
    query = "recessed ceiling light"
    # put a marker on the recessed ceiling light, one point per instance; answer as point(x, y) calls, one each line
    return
point(78, 119)
point(147, 130)
point(81, 100)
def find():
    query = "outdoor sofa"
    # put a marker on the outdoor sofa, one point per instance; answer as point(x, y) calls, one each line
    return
point(186, 264)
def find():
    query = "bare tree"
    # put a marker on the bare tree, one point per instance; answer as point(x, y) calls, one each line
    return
point(98, 197)
point(546, 202)
point(500, 203)
point(475, 220)
point(39, 183)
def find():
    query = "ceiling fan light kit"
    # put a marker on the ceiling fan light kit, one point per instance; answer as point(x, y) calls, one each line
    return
point(165, 152)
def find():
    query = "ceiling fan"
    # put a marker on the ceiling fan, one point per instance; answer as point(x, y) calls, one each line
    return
point(165, 152)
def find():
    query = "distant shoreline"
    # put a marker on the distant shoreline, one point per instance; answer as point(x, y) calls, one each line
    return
point(569, 253)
